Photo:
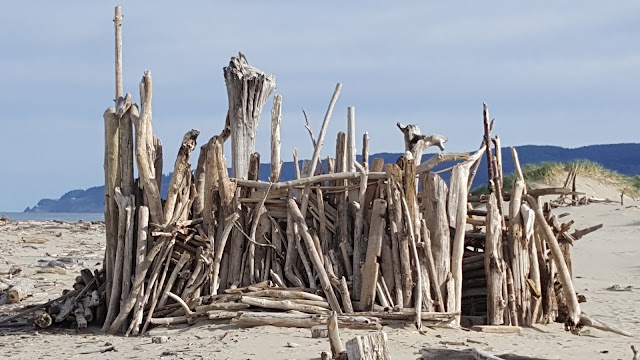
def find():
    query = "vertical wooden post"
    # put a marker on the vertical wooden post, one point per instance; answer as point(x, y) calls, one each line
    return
point(494, 265)
point(276, 118)
point(112, 179)
point(434, 201)
point(351, 139)
point(117, 21)
point(365, 150)
point(371, 265)
point(248, 89)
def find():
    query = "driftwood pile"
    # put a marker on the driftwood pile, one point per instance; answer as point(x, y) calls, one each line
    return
point(370, 241)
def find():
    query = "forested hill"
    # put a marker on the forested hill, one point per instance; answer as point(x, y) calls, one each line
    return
point(623, 158)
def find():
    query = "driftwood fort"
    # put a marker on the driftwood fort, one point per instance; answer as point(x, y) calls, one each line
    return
point(352, 244)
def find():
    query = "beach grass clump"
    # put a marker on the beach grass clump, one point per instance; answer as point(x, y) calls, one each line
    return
point(550, 173)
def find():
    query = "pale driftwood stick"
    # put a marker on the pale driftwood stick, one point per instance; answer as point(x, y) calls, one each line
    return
point(438, 159)
point(395, 223)
point(313, 254)
point(296, 164)
point(410, 191)
point(292, 253)
point(157, 160)
point(251, 260)
point(200, 182)
point(211, 185)
point(341, 163)
point(146, 168)
point(303, 257)
point(382, 297)
point(340, 285)
point(334, 335)
point(458, 193)
point(112, 179)
point(563, 272)
point(287, 294)
point(396, 218)
point(128, 258)
point(141, 253)
point(386, 291)
point(137, 289)
point(310, 180)
point(324, 233)
point(416, 260)
point(315, 158)
point(277, 279)
point(220, 245)
point(181, 174)
point(117, 22)
point(351, 139)
point(416, 143)
point(114, 303)
point(374, 247)
point(358, 243)
point(205, 309)
point(154, 284)
point(534, 274)
point(519, 242)
point(431, 267)
point(494, 265)
point(386, 262)
point(276, 118)
point(248, 89)
point(283, 304)
point(251, 319)
point(172, 278)
point(123, 105)
point(343, 236)
point(365, 150)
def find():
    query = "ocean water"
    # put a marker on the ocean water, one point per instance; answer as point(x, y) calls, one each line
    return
point(71, 217)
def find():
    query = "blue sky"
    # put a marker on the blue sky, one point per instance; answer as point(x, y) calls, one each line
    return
point(559, 73)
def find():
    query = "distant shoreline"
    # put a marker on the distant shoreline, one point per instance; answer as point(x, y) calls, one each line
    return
point(36, 216)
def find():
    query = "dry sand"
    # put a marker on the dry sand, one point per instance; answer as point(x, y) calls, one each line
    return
point(600, 260)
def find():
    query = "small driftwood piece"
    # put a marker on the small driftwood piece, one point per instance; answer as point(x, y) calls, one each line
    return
point(368, 347)
point(334, 336)
point(374, 247)
point(416, 143)
point(276, 118)
point(319, 331)
point(251, 319)
point(20, 290)
point(42, 319)
point(284, 304)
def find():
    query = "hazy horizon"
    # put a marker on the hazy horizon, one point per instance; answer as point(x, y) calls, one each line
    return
point(552, 74)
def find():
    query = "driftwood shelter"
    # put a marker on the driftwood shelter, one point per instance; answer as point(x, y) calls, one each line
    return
point(369, 242)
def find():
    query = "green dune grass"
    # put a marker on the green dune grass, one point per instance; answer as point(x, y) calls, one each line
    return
point(550, 172)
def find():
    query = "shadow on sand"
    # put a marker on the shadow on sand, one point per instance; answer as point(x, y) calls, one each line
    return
point(466, 354)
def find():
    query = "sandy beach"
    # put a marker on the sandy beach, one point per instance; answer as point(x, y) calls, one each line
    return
point(601, 260)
